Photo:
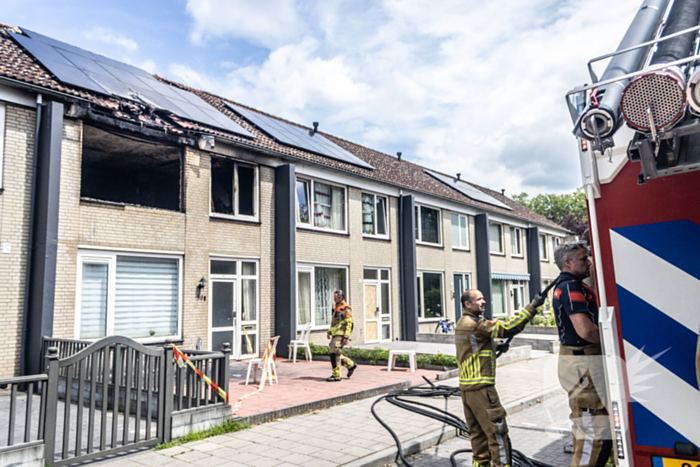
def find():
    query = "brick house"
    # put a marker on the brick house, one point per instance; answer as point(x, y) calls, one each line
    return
point(119, 217)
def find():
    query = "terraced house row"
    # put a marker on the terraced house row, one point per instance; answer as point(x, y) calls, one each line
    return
point(137, 206)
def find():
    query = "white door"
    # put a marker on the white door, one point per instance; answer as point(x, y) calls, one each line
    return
point(377, 306)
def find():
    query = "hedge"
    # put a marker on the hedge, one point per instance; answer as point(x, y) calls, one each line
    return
point(378, 354)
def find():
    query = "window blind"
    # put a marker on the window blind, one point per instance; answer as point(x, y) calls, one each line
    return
point(93, 301)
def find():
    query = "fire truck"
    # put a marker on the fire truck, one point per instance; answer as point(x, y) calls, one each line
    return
point(639, 147)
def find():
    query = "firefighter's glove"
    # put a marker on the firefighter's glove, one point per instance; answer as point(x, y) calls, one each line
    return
point(502, 347)
point(536, 302)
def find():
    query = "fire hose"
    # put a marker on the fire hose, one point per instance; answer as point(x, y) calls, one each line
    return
point(401, 399)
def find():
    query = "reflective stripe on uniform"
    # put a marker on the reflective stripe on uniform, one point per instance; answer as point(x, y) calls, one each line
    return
point(524, 315)
point(501, 444)
point(470, 369)
point(587, 425)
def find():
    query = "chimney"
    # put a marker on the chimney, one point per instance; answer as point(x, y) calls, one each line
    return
point(313, 132)
point(459, 176)
point(503, 191)
point(398, 154)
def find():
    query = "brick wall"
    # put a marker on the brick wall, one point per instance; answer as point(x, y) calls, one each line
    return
point(15, 201)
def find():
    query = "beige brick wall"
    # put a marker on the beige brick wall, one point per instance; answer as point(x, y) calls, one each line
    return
point(15, 199)
point(193, 232)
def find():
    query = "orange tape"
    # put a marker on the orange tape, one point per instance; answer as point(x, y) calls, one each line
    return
point(182, 361)
point(239, 402)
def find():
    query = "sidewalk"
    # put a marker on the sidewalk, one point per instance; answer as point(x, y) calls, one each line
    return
point(346, 434)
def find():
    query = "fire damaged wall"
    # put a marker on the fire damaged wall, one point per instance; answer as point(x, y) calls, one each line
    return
point(124, 168)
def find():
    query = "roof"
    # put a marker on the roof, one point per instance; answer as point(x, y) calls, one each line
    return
point(18, 65)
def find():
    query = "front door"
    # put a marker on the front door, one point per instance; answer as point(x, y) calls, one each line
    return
point(223, 314)
point(461, 283)
point(377, 309)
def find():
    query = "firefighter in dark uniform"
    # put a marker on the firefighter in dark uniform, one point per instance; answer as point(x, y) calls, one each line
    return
point(581, 369)
point(339, 334)
point(476, 355)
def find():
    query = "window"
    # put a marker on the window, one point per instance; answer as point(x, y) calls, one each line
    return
point(233, 188)
point(516, 242)
point(496, 238)
point(556, 241)
point(320, 205)
point(460, 229)
point(517, 293)
point(498, 297)
point(428, 225)
point(430, 295)
point(374, 219)
point(2, 139)
point(315, 287)
point(133, 296)
point(543, 248)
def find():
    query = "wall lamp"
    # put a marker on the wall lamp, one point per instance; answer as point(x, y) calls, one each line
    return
point(202, 284)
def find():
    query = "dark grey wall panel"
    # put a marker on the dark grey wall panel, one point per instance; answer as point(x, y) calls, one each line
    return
point(408, 268)
point(533, 260)
point(42, 285)
point(285, 257)
point(483, 260)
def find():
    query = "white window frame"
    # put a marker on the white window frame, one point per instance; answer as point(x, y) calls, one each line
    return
point(556, 241)
point(421, 315)
point(110, 258)
point(311, 268)
point(419, 240)
point(459, 223)
point(386, 215)
point(521, 285)
point(310, 202)
point(502, 251)
point(506, 295)
point(2, 142)
point(238, 295)
point(519, 235)
point(236, 192)
point(544, 255)
point(378, 283)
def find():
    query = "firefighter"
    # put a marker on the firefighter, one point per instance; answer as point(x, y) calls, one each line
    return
point(476, 354)
point(339, 333)
point(581, 370)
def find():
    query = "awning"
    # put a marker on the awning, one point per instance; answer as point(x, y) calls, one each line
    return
point(509, 276)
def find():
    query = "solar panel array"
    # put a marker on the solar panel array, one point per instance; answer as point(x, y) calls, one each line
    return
point(468, 190)
point(292, 135)
point(87, 70)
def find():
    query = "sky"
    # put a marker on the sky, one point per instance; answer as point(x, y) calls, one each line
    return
point(475, 87)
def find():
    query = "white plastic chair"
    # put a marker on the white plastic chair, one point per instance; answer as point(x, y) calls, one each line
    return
point(255, 363)
point(303, 341)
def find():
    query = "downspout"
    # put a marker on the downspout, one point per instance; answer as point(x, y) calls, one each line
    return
point(402, 285)
point(30, 236)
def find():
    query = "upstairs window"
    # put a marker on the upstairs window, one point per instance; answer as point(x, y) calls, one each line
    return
point(233, 188)
point(460, 232)
point(428, 225)
point(374, 215)
point(556, 241)
point(516, 241)
point(496, 238)
point(544, 256)
point(320, 205)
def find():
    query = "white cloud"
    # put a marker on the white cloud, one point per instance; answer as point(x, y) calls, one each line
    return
point(111, 37)
point(461, 86)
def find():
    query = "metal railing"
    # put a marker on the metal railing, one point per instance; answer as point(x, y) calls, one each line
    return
point(27, 404)
point(190, 391)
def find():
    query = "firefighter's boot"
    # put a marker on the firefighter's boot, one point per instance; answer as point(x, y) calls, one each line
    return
point(336, 374)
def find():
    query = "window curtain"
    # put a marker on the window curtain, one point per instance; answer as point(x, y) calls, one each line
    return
point(463, 231)
point(367, 214)
point(381, 216)
point(146, 297)
point(248, 302)
point(327, 281)
point(429, 225)
point(303, 202)
point(322, 205)
point(498, 297)
point(93, 301)
point(304, 310)
point(455, 230)
point(338, 208)
point(495, 238)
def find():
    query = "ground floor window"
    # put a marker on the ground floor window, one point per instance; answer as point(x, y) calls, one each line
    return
point(462, 282)
point(233, 306)
point(136, 296)
point(430, 288)
point(508, 296)
point(315, 287)
point(498, 297)
point(517, 293)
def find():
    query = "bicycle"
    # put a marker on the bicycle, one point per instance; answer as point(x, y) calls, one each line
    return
point(447, 326)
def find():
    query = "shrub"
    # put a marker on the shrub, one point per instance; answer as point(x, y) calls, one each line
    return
point(378, 354)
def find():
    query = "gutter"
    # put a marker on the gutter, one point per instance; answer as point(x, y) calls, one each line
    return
point(42, 90)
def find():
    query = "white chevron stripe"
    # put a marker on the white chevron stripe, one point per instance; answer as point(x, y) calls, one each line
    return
point(666, 395)
point(657, 282)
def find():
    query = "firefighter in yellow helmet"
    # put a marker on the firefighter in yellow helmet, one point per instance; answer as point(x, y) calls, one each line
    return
point(476, 354)
point(339, 333)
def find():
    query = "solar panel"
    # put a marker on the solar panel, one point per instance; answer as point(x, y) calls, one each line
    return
point(292, 135)
point(103, 75)
point(468, 190)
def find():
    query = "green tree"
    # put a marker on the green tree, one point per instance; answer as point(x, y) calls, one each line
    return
point(567, 210)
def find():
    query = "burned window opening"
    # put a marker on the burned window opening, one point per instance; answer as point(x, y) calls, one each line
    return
point(131, 170)
point(233, 188)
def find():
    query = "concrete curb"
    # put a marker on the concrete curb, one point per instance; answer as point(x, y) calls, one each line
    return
point(263, 417)
point(422, 442)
